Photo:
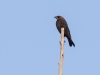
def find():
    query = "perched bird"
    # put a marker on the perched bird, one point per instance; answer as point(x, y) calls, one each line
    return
point(61, 23)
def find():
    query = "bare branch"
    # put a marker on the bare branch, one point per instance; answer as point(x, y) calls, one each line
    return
point(61, 52)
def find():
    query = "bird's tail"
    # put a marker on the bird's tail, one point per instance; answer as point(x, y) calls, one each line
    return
point(71, 42)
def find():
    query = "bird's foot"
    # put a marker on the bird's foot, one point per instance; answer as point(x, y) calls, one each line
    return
point(60, 42)
point(64, 41)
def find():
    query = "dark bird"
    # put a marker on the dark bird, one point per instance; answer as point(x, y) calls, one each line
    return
point(61, 23)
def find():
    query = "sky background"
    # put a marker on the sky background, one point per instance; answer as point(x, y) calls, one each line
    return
point(29, 40)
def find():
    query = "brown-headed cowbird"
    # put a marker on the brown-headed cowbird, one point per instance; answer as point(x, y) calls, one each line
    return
point(61, 23)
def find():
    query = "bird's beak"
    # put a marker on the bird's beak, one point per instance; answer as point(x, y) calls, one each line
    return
point(55, 17)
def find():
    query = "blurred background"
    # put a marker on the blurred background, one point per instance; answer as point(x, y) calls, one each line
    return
point(29, 40)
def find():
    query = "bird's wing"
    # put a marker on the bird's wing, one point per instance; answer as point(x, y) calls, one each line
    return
point(64, 24)
point(67, 31)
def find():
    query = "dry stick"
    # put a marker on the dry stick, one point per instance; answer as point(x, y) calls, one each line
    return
point(61, 52)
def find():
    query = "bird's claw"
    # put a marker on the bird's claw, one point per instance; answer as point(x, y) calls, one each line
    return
point(64, 41)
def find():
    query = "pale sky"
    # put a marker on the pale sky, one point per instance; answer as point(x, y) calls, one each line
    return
point(29, 40)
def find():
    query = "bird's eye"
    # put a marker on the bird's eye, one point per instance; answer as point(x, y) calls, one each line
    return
point(58, 16)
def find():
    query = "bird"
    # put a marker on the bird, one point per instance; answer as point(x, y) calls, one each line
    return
point(61, 23)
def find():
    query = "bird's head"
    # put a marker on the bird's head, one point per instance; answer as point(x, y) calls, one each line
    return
point(58, 17)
